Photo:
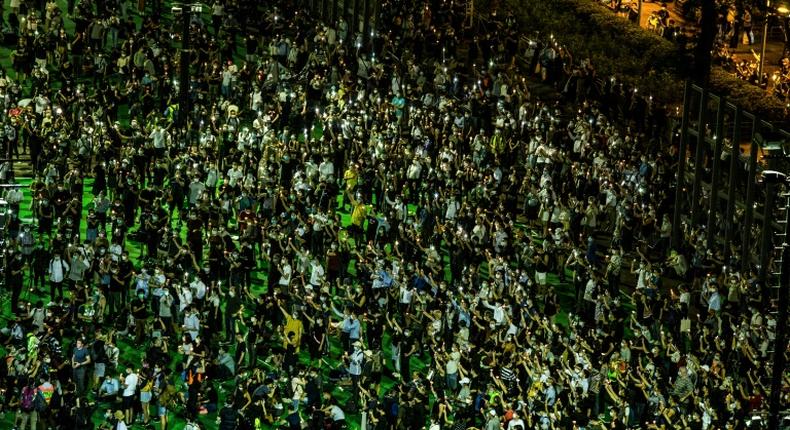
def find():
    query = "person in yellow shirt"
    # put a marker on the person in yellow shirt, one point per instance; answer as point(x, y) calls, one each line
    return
point(292, 330)
point(359, 211)
point(351, 177)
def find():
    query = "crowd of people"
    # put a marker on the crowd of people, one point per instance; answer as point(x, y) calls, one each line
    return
point(381, 230)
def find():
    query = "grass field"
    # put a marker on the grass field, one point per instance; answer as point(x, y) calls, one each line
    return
point(132, 354)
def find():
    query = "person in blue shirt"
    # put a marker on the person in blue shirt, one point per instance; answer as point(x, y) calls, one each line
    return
point(350, 328)
point(108, 391)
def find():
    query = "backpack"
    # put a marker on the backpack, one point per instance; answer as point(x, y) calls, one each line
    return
point(28, 399)
point(40, 403)
point(98, 353)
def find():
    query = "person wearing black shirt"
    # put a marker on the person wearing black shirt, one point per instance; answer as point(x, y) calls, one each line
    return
point(140, 313)
point(228, 417)
point(15, 266)
point(45, 214)
point(41, 257)
point(126, 271)
point(233, 307)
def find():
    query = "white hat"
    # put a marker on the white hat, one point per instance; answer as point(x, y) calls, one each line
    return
point(464, 380)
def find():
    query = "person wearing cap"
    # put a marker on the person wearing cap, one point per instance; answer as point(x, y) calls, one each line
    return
point(492, 421)
point(465, 393)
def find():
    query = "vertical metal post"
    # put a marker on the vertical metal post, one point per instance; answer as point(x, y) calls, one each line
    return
point(355, 17)
point(766, 232)
point(183, 94)
point(749, 215)
point(698, 158)
point(639, 13)
point(731, 188)
point(780, 341)
point(716, 174)
point(764, 42)
point(681, 179)
point(366, 22)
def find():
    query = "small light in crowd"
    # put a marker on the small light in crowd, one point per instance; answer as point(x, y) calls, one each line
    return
point(58, 110)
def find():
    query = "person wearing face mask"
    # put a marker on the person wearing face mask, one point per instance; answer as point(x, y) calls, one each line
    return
point(44, 215)
point(58, 268)
point(26, 242)
point(15, 266)
point(127, 272)
point(165, 315)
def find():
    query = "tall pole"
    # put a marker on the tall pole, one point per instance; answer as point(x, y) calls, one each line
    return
point(639, 13)
point(766, 234)
point(748, 216)
point(713, 205)
point(732, 188)
point(698, 157)
point(764, 41)
point(183, 94)
point(780, 341)
point(680, 190)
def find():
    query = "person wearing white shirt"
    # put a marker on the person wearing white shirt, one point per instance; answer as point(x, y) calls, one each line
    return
point(57, 274)
point(316, 273)
point(234, 174)
point(326, 171)
point(129, 389)
point(14, 198)
point(452, 209)
point(198, 289)
point(192, 322)
point(499, 312)
point(286, 272)
point(120, 419)
point(184, 298)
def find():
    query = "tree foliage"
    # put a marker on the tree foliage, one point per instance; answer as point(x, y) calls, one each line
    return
point(634, 55)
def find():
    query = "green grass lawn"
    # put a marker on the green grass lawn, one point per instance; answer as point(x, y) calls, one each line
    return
point(132, 353)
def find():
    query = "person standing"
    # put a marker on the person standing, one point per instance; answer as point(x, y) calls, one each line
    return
point(129, 389)
point(15, 277)
point(80, 359)
point(57, 274)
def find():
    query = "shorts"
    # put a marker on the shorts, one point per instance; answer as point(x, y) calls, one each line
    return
point(99, 369)
point(162, 411)
point(128, 402)
point(145, 396)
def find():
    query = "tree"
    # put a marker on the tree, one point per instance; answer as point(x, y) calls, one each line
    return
point(707, 36)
